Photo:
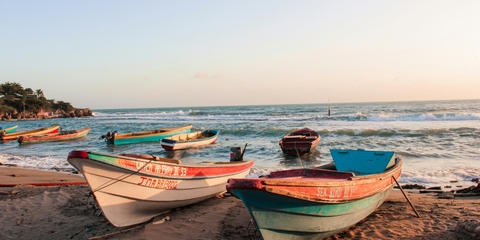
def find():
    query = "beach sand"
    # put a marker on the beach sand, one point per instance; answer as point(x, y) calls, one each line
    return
point(53, 209)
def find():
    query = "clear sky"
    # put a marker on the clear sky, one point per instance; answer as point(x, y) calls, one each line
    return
point(134, 54)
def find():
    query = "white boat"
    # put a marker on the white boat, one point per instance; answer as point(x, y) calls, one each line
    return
point(190, 140)
point(133, 188)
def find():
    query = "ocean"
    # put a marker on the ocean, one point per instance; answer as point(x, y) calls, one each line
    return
point(438, 140)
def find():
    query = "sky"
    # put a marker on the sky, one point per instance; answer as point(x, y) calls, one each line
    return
point(147, 54)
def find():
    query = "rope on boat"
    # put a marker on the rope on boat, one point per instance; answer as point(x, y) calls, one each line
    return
point(113, 181)
point(298, 154)
point(47, 184)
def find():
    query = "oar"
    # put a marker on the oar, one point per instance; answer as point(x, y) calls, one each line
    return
point(408, 200)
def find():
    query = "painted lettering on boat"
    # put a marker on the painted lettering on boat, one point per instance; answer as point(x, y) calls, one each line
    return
point(336, 192)
point(158, 183)
point(162, 169)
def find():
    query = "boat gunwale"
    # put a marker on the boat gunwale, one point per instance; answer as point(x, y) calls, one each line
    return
point(151, 133)
point(171, 142)
point(207, 165)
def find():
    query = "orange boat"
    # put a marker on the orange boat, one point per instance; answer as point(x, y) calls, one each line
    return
point(54, 137)
point(5, 137)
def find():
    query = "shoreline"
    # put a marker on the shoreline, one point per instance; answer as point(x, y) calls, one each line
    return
point(64, 210)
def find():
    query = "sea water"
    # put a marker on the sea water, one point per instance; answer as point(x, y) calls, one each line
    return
point(438, 140)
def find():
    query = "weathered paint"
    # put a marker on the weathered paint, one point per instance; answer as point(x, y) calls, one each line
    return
point(281, 217)
point(54, 137)
point(299, 142)
point(171, 170)
point(362, 162)
point(312, 203)
point(129, 195)
point(148, 136)
point(15, 135)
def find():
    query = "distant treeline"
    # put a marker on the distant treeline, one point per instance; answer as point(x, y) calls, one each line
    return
point(17, 102)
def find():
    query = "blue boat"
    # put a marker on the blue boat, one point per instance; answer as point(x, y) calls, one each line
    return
point(320, 202)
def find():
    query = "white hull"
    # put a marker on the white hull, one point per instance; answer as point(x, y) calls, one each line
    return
point(127, 198)
point(185, 141)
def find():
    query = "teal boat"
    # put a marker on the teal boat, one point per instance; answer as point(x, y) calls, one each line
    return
point(320, 202)
point(10, 129)
point(144, 136)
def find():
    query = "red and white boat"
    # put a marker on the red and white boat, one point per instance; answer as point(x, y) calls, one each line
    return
point(134, 188)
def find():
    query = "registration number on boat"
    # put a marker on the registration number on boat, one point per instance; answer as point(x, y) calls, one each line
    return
point(158, 183)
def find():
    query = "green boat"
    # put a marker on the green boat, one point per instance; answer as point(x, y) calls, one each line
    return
point(144, 136)
point(9, 129)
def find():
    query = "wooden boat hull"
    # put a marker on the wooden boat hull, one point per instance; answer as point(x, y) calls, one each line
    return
point(145, 136)
point(281, 217)
point(54, 137)
point(299, 142)
point(13, 136)
point(133, 190)
point(312, 203)
point(190, 140)
point(10, 129)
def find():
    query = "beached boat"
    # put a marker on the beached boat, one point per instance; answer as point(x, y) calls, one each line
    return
point(4, 137)
point(144, 136)
point(299, 142)
point(54, 137)
point(9, 129)
point(190, 140)
point(318, 203)
point(134, 188)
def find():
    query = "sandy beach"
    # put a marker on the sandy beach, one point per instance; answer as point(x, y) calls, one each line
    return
point(55, 205)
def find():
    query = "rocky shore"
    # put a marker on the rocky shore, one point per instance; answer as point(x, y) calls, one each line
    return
point(78, 112)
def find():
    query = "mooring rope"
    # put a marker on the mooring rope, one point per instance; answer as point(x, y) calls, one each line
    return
point(120, 179)
point(298, 154)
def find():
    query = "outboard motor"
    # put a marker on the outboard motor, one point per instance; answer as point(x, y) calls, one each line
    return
point(236, 153)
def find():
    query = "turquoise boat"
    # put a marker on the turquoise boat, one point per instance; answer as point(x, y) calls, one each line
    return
point(144, 136)
point(10, 129)
point(320, 202)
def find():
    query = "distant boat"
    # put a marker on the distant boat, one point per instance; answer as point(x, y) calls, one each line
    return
point(54, 137)
point(9, 129)
point(134, 188)
point(144, 136)
point(190, 140)
point(318, 203)
point(4, 137)
point(299, 142)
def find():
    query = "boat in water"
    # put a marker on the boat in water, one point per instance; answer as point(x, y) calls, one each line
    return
point(133, 188)
point(319, 202)
point(5, 137)
point(54, 137)
point(299, 142)
point(190, 140)
point(144, 136)
point(9, 129)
